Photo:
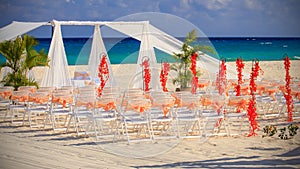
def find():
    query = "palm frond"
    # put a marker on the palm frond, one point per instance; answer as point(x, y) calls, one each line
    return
point(21, 56)
point(183, 64)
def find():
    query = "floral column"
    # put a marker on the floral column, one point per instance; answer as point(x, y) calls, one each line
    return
point(194, 72)
point(164, 75)
point(147, 75)
point(240, 66)
point(287, 93)
point(221, 82)
point(252, 115)
point(103, 74)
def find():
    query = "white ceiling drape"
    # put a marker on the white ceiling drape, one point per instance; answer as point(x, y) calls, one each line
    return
point(57, 74)
point(146, 52)
point(149, 36)
point(15, 29)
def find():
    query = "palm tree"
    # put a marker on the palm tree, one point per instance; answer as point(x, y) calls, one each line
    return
point(21, 57)
point(183, 64)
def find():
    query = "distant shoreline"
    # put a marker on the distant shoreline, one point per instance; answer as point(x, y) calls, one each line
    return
point(273, 70)
point(126, 50)
point(214, 37)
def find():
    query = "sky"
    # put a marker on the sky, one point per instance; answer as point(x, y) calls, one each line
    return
point(215, 18)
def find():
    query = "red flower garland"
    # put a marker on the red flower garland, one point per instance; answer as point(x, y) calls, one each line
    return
point(164, 75)
point(221, 86)
point(221, 82)
point(147, 75)
point(240, 66)
point(103, 74)
point(194, 71)
point(252, 115)
point(287, 94)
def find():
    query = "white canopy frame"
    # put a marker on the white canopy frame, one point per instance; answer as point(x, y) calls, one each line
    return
point(55, 78)
point(143, 31)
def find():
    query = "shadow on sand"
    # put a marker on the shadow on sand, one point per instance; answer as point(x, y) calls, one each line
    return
point(237, 162)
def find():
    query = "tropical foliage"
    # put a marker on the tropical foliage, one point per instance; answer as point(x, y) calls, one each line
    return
point(21, 57)
point(183, 59)
point(284, 133)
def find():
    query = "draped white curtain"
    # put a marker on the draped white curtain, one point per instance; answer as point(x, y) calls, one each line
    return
point(57, 74)
point(15, 29)
point(146, 52)
point(97, 51)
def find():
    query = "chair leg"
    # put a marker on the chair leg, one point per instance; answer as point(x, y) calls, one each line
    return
point(126, 131)
point(95, 128)
point(6, 112)
point(24, 115)
point(53, 122)
point(69, 122)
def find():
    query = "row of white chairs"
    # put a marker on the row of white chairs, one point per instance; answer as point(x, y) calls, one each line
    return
point(130, 115)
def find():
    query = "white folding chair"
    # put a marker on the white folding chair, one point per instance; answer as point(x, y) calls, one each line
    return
point(135, 118)
point(212, 115)
point(236, 118)
point(30, 89)
point(295, 91)
point(161, 116)
point(60, 110)
point(104, 118)
point(82, 111)
point(38, 105)
point(187, 115)
point(18, 105)
point(85, 90)
point(5, 94)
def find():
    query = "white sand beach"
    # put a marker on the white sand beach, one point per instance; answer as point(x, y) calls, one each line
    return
point(25, 147)
point(123, 73)
point(22, 147)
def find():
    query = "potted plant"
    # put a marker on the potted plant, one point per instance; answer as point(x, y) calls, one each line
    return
point(183, 60)
point(21, 57)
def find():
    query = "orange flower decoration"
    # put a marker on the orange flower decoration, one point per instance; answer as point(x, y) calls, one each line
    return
point(240, 66)
point(103, 74)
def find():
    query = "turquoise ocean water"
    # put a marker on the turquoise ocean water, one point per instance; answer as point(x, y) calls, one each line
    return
point(125, 50)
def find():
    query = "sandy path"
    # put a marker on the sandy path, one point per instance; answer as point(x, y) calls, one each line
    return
point(22, 147)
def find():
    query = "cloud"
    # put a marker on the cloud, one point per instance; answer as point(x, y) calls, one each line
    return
point(215, 17)
point(254, 4)
point(217, 4)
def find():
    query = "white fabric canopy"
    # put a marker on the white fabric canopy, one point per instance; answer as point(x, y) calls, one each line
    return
point(146, 52)
point(15, 29)
point(158, 38)
point(57, 74)
point(98, 48)
point(170, 45)
point(149, 36)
